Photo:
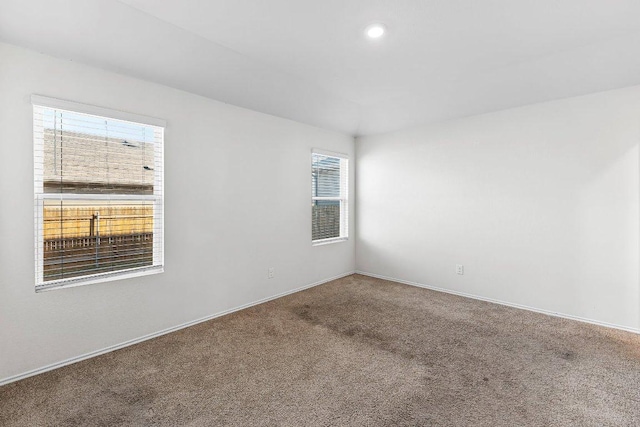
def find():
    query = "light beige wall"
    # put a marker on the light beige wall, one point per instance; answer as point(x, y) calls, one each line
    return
point(540, 204)
point(237, 202)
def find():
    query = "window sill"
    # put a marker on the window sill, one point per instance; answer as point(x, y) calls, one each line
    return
point(329, 241)
point(109, 277)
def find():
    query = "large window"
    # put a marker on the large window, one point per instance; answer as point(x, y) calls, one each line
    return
point(329, 185)
point(98, 193)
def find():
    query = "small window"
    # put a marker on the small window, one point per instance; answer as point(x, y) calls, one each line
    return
point(98, 194)
point(329, 201)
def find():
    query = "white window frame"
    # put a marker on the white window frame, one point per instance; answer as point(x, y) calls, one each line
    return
point(39, 196)
point(343, 199)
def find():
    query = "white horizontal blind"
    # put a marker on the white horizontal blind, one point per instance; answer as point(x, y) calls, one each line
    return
point(329, 185)
point(98, 197)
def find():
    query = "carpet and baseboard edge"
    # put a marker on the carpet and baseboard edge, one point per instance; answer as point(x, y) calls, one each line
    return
point(128, 343)
point(508, 304)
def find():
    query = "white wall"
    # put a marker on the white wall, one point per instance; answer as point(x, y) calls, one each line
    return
point(540, 204)
point(237, 202)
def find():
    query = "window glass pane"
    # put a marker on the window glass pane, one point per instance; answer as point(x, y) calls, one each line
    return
point(325, 219)
point(82, 237)
point(90, 154)
point(326, 176)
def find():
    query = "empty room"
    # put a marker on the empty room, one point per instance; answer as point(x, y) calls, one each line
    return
point(319, 213)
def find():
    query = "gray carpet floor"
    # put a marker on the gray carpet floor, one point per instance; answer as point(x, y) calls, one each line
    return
point(355, 351)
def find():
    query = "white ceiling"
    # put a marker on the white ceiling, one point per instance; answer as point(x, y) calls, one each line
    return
point(308, 60)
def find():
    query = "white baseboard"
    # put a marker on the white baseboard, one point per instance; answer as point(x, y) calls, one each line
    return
point(509, 304)
point(160, 333)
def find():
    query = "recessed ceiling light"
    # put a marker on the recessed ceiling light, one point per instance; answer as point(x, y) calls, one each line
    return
point(375, 31)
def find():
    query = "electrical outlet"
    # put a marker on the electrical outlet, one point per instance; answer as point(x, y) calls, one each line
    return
point(460, 269)
point(271, 272)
